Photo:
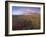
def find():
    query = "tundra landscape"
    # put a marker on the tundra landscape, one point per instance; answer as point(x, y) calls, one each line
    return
point(25, 19)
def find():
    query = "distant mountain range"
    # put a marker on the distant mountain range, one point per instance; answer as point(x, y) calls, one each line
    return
point(26, 13)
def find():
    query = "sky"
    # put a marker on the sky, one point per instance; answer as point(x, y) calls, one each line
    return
point(16, 10)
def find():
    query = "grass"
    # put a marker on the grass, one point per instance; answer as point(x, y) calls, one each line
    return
point(31, 21)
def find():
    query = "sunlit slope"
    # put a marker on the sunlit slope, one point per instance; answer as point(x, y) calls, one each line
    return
point(34, 17)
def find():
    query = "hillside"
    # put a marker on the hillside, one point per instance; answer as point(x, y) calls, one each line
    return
point(34, 18)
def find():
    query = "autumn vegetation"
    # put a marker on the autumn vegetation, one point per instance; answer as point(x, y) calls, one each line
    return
point(24, 22)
